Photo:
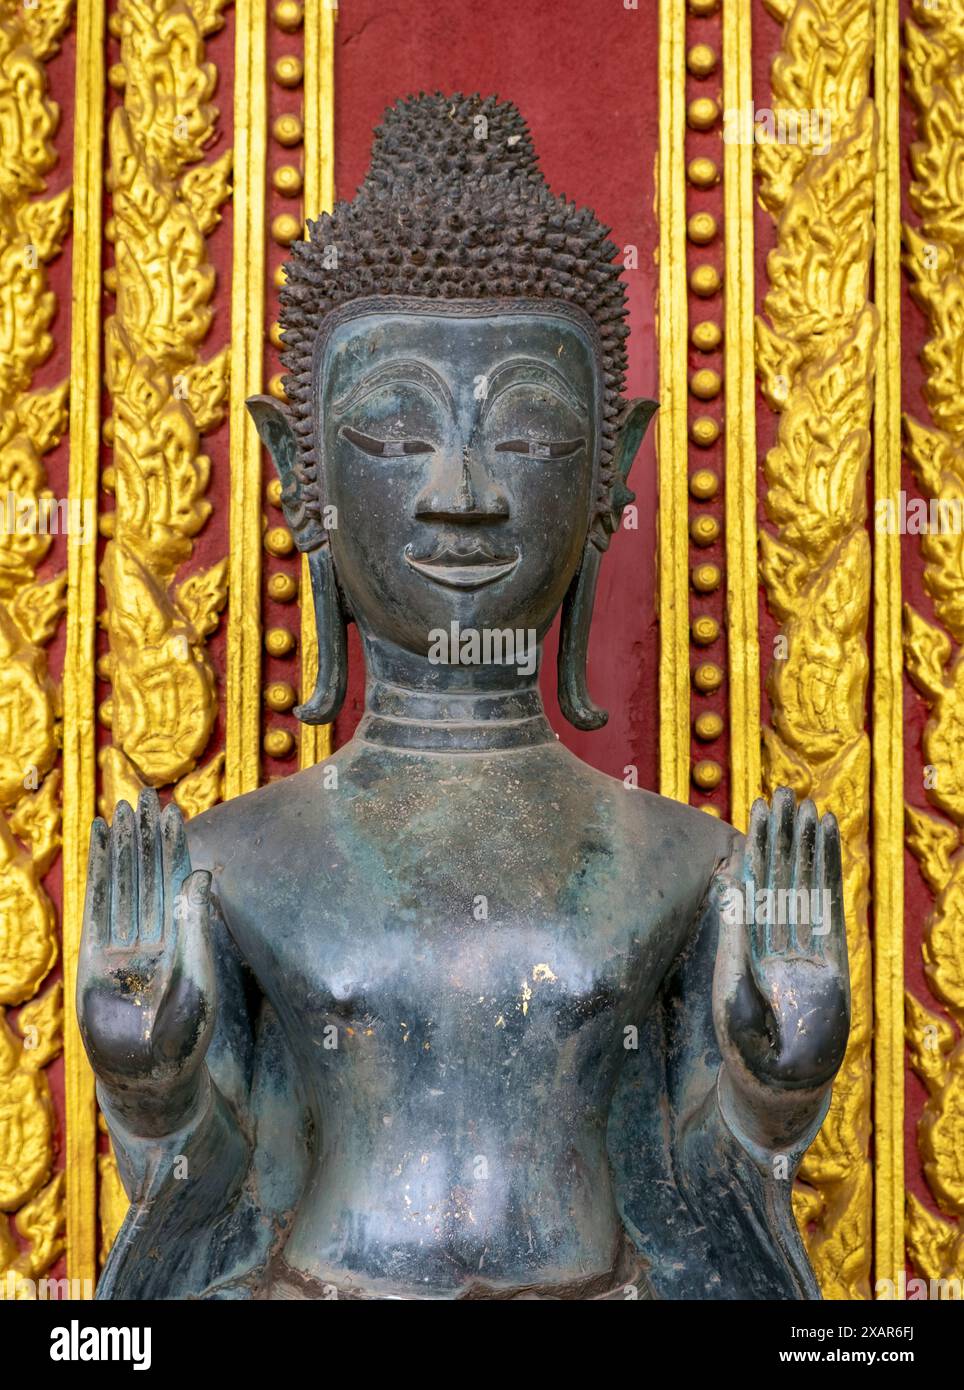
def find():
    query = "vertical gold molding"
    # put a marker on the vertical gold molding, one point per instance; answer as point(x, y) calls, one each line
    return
point(79, 731)
point(742, 582)
point(319, 196)
point(671, 437)
point(933, 59)
point(243, 705)
point(887, 707)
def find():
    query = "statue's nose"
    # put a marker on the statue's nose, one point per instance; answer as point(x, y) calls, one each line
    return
point(463, 494)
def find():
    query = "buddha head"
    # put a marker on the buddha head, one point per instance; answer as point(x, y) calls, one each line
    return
point(455, 443)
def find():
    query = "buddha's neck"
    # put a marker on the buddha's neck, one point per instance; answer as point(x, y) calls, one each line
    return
point(411, 703)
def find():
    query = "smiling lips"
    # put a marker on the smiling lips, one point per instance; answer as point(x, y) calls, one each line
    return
point(463, 569)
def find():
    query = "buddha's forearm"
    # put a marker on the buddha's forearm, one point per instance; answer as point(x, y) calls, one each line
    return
point(741, 1193)
point(187, 1129)
point(152, 1112)
point(770, 1124)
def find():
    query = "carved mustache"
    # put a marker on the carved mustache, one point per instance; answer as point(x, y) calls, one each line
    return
point(447, 553)
point(462, 567)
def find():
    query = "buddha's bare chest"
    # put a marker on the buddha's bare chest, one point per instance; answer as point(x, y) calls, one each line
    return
point(453, 972)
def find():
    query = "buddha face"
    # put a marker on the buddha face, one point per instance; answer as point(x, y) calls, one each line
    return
point(460, 452)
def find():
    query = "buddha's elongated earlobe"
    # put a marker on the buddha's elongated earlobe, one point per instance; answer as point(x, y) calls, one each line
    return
point(574, 698)
point(332, 630)
point(310, 536)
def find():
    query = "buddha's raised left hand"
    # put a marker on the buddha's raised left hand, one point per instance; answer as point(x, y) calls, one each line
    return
point(781, 989)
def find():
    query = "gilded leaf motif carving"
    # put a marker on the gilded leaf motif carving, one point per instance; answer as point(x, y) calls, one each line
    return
point(163, 700)
point(816, 357)
point(32, 228)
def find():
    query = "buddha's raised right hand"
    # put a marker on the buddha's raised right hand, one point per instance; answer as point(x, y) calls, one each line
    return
point(145, 982)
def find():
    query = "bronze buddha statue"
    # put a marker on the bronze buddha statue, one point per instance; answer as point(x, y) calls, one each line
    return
point(452, 1015)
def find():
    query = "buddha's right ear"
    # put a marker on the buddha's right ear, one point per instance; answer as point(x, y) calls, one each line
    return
point(273, 423)
point(300, 507)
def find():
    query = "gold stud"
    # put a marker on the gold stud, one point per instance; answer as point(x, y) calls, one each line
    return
point(279, 696)
point(286, 228)
point(288, 129)
point(110, 279)
point(704, 530)
point(279, 743)
point(706, 578)
point(707, 774)
point(702, 114)
point(278, 641)
point(105, 713)
point(704, 431)
point(702, 8)
point(274, 333)
point(279, 277)
point(115, 25)
point(712, 811)
point(704, 280)
point(287, 180)
point(704, 630)
point(702, 172)
point(706, 336)
point(701, 60)
point(704, 484)
point(278, 542)
point(289, 70)
point(708, 677)
point(708, 726)
point(107, 431)
point(273, 492)
point(283, 588)
point(706, 384)
point(276, 387)
point(108, 478)
point(105, 525)
point(288, 15)
point(117, 76)
point(701, 228)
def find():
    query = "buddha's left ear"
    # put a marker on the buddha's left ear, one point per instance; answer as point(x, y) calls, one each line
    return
point(631, 431)
point(574, 698)
point(274, 426)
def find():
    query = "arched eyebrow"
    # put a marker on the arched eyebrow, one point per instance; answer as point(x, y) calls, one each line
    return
point(404, 371)
point(529, 371)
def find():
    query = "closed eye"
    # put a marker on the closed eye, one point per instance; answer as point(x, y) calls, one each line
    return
point(386, 448)
point(539, 449)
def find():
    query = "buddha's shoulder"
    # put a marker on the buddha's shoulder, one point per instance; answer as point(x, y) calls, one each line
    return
point(658, 825)
point(249, 830)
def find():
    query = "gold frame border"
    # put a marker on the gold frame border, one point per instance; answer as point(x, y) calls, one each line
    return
point(79, 752)
point(319, 196)
point(739, 416)
point(243, 706)
point(671, 434)
point(887, 726)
